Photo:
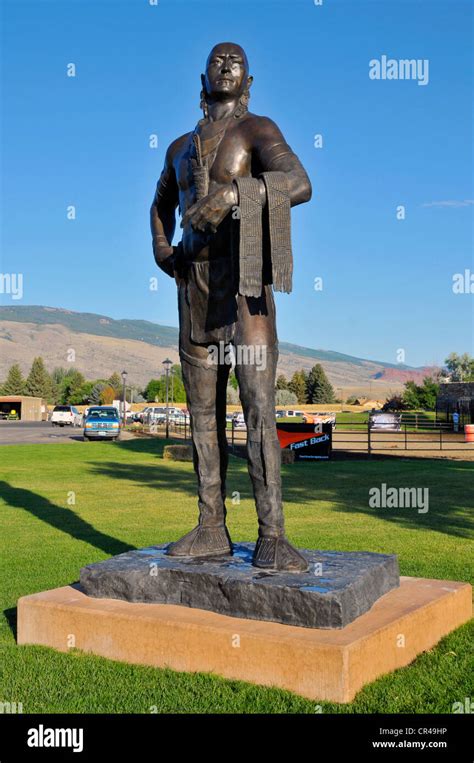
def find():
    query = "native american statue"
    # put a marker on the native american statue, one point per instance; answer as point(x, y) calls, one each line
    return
point(234, 180)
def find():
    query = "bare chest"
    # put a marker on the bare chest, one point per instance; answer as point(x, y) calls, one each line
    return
point(233, 157)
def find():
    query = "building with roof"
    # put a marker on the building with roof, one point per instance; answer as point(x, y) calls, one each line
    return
point(21, 407)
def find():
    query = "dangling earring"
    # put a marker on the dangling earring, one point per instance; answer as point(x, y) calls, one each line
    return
point(203, 104)
point(243, 106)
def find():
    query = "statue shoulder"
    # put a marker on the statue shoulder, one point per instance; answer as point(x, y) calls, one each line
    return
point(262, 128)
point(177, 146)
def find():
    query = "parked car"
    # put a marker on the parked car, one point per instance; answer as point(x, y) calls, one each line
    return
point(156, 415)
point(141, 416)
point(103, 422)
point(66, 415)
point(181, 418)
point(288, 414)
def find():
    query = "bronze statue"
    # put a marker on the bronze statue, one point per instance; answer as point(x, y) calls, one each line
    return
point(234, 179)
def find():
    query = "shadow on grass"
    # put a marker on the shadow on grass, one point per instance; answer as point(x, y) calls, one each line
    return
point(344, 484)
point(61, 518)
point(11, 617)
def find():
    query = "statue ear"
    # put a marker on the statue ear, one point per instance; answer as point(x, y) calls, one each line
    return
point(203, 103)
point(249, 82)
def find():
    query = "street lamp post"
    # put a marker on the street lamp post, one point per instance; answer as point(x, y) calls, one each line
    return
point(124, 380)
point(167, 364)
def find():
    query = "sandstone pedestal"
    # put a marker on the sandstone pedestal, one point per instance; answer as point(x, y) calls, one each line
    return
point(321, 664)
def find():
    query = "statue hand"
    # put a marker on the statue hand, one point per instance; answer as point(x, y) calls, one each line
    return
point(209, 212)
point(164, 258)
point(167, 257)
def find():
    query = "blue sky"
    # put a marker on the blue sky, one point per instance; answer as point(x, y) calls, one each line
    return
point(84, 141)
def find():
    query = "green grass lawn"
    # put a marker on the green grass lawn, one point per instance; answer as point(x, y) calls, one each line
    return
point(66, 505)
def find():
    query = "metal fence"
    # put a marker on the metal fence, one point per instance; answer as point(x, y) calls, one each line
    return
point(416, 433)
point(464, 407)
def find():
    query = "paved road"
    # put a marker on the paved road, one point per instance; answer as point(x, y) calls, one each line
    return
point(37, 432)
point(14, 432)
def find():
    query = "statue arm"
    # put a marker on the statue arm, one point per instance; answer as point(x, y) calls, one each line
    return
point(273, 153)
point(163, 217)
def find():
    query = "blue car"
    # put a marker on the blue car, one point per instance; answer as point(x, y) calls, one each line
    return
point(102, 423)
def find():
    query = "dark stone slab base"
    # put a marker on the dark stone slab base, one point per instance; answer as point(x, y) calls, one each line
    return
point(339, 587)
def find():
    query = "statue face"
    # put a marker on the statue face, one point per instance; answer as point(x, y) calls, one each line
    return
point(226, 71)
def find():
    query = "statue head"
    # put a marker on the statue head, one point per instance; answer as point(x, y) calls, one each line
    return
point(227, 76)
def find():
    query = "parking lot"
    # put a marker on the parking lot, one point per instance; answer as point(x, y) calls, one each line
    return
point(23, 432)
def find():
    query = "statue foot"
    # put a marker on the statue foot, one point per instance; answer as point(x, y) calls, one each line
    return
point(278, 554)
point(202, 542)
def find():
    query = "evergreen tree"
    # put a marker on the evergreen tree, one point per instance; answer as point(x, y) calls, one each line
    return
point(297, 385)
point(281, 382)
point(57, 379)
point(38, 383)
point(318, 387)
point(58, 375)
point(14, 383)
point(96, 392)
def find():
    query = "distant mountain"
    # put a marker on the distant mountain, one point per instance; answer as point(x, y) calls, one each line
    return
point(103, 345)
point(90, 323)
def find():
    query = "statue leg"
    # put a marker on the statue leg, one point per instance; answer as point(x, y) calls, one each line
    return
point(206, 399)
point(256, 329)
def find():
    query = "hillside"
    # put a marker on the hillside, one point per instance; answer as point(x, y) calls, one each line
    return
point(103, 345)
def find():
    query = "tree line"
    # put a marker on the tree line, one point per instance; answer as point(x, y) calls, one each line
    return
point(457, 368)
point(68, 386)
point(305, 387)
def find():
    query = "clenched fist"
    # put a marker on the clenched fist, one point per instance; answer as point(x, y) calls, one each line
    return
point(205, 215)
